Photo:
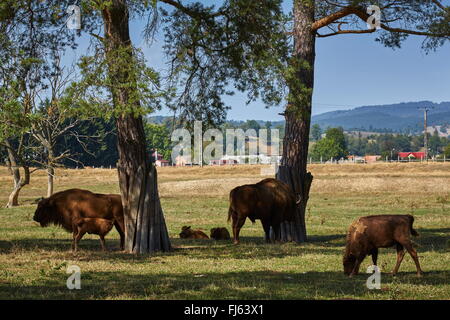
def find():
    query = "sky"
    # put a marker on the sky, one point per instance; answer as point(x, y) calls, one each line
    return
point(350, 71)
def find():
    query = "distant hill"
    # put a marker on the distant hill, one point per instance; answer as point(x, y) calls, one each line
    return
point(401, 117)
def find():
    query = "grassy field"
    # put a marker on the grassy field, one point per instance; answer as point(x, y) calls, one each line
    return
point(33, 260)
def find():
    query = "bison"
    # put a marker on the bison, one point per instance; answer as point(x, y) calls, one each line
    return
point(188, 233)
point(270, 200)
point(66, 208)
point(367, 234)
point(220, 234)
point(97, 226)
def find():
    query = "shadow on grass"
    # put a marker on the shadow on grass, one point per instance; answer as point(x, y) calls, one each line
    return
point(433, 240)
point(250, 248)
point(328, 240)
point(59, 245)
point(227, 285)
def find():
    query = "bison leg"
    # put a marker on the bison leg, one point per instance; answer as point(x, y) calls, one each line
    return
point(102, 242)
point(358, 262)
point(400, 255)
point(120, 229)
point(73, 239)
point(77, 239)
point(413, 255)
point(276, 232)
point(374, 253)
point(266, 227)
point(238, 222)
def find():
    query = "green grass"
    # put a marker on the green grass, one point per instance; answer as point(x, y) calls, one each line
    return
point(33, 260)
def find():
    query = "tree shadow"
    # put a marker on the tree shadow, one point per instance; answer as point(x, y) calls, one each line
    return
point(328, 240)
point(433, 240)
point(59, 245)
point(89, 249)
point(221, 286)
point(250, 247)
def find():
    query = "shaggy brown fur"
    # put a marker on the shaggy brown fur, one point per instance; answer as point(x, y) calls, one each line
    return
point(66, 207)
point(270, 201)
point(188, 233)
point(97, 226)
point(220, 234)
point(367, 234)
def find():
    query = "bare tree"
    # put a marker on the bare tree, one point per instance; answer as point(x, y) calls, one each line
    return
point(54, 120)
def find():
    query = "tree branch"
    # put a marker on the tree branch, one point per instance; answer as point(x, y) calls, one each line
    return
point(359, 12)
point(192, 13)
point(440, 5)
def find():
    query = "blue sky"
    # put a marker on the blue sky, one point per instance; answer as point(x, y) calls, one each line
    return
point(351, 71)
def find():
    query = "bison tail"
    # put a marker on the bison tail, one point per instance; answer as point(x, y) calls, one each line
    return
point(230, 210)
point(411, 229)
point(230, 213)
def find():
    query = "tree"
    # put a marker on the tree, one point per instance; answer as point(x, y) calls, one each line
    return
point(316, 132)
point(251, 124)
point(447, 151)
point(332, 146)
point(327, 149)
point(435, 143)
point(158, 138)
point(91, 143)
point(399, 19)
point(207, 47)
point(32, 81)
point(22, 65)
point(53, 120)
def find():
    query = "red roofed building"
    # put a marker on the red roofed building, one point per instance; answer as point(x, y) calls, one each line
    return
point(159, 160)
point(412, 155)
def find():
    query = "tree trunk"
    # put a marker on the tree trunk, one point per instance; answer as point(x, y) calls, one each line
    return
point(145, 227)
point(293, 169)
point(50, 181)
point(19, 181)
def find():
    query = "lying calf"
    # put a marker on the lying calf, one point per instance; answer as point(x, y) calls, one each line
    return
point(367, 234)
point(97, 226)
point(220, 234)
point(188, 233)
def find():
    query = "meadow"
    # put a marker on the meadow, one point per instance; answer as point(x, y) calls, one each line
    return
point(33, 260)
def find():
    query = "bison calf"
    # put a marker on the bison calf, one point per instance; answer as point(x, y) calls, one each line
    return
point(188, 233)
point(367, 234)
point(220, 234)
point(97, 226)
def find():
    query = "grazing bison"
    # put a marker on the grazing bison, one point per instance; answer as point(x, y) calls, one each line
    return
point(269, 200)
point(220, 234)
point(66, 208)
point(188, 233)
point(367, 234)
point(97, 226)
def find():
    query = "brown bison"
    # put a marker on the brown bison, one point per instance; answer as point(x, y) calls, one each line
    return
point(188, 233)
point(367, 234)
point(220, 234)
point(97, 226)
point(269, 200)
point(68, 208)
